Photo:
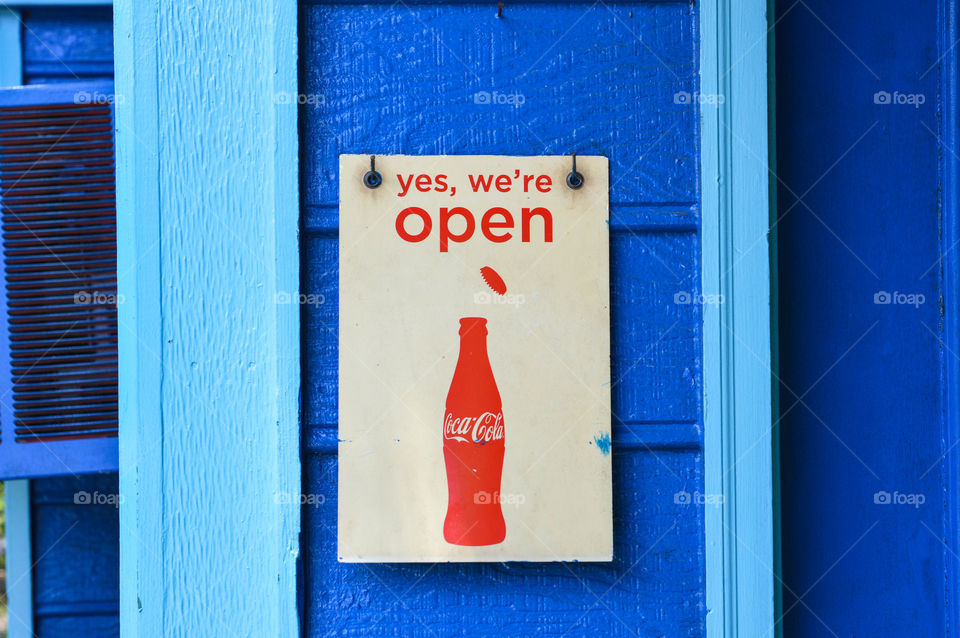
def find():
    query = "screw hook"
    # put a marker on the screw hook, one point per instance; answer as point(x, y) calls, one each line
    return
point(499, 9)
point(372, 179)
point(574, 179)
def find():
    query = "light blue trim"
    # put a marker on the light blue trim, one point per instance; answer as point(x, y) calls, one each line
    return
point(19, 560)
point(58, 3)
point(774, 320)
point(19, 555)
point(737, 346)
point(207, 214)
point(11, 51)
point(139, 337)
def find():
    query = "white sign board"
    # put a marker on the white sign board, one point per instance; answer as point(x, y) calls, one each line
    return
point(474, 360)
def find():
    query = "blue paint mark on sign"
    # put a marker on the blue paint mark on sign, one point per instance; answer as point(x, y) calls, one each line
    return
point(603, 442)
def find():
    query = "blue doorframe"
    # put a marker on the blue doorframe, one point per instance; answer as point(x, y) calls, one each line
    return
point(738, 390)
point(170, 144)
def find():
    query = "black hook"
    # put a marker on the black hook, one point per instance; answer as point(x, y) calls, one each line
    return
point(574, 179)
point(499, 9)
point(372, 179)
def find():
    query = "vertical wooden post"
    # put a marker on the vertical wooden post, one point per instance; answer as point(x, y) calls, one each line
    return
point(19, 559)
point(16, 493)
point(209, 361)
point(738, 391)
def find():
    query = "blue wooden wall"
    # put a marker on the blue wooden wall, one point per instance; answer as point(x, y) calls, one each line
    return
point(67, 44)
point(610, 80)
point(75, 546)
point(861, 394)
point(77, 552)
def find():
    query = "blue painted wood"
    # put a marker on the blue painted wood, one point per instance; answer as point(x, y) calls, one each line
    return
point(19, 556)
point(950, 285)
point(594, 79)
point(67, 44)
point(736, 267)
point(774, 310)
point(43, 458)
point(19, 578)
point(59, 3)
point(11, 52)
point(77, 46)
point(863, 213)
point(76, 556)
point(651, 588)
point(141, 518)
point(657, 364)
point(650, 149)
point(57, 93)
point(68, 593)
point(209, 359)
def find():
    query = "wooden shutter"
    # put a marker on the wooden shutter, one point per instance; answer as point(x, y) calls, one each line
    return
point(58, 321)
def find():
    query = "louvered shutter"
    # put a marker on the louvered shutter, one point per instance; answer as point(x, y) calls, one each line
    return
point(58, 320)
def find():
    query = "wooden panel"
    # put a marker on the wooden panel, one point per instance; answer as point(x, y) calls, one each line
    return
point(863, 388)
point(593, 79)
point(738, 354)
point(207, 227)
point(650, 589)
point(75, 580)
point(67, 44)
point(76, 547)
point(656, 342)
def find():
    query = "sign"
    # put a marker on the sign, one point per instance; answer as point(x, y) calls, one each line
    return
point(474, 359)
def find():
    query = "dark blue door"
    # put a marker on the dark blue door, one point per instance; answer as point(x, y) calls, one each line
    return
point(864, 116)
point(613, 80)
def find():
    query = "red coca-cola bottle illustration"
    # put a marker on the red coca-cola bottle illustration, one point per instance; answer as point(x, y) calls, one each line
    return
point(473, 444)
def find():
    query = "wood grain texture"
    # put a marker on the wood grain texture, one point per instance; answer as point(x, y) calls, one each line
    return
point(76, 556)
point(19, 558)
point(949, 23)
point(67, 44)
point(738, 419)
point(656, 342)
point(653, 587)
point(207, 211)
point(575, 67)
point(11, 50)
point(891, 399)
point(595, 79)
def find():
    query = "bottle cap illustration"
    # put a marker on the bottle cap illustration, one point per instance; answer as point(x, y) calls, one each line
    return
point(494, 280)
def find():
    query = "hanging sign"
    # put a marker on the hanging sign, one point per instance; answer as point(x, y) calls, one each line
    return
point(474, 359)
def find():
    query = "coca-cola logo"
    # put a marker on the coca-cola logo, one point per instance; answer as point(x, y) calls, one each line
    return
point(479, 429)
